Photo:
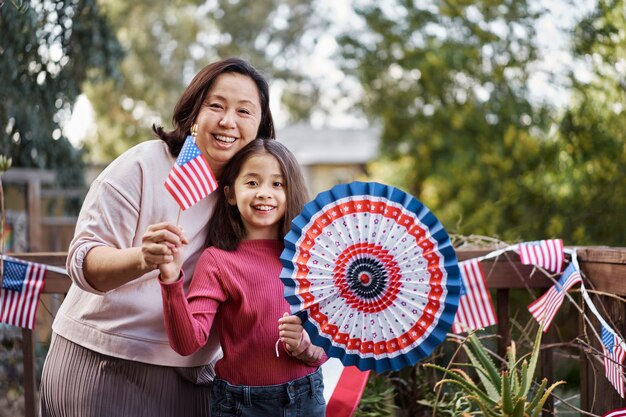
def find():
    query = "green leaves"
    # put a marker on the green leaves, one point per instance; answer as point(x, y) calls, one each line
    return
point(166, 43)
point(377, 399)
point(47, 51)
point(449, 90)
point(5, 163)
point(505, 393)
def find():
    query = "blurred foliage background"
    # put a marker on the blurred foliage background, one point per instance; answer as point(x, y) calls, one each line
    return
point(447, 82)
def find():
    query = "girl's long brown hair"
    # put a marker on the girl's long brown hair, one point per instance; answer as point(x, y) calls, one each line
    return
point(226, 229)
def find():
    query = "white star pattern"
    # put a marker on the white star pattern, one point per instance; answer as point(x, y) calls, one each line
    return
point(336, 229)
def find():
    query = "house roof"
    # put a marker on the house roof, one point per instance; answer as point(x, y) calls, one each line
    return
point(313, 146)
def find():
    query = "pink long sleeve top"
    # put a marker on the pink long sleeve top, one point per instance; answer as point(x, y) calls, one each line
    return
point(241, 294)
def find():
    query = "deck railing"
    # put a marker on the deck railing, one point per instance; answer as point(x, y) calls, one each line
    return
point(603, 267)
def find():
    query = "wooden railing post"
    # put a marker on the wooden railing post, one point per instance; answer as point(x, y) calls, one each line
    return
point(586, 394)
point(30, 387)
point(33, 179)
point(547, 369)
point(605, 269)
point(504, 327)
point(55, 283)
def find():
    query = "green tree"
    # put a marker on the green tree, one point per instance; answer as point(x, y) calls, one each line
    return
point(47, 51)
point(592, 141)
point(447, 81)
point(166, 43)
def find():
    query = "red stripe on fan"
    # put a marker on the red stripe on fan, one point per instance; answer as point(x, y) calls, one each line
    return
point(347, 393)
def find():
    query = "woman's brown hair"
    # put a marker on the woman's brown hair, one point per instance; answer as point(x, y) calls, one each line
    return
point(191, 100)
point(226, 229)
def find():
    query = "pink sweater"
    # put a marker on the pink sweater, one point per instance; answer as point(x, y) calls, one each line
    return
point(123, 201)
point(242, 294)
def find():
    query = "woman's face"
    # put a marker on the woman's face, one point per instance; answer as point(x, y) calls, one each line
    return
point(228, 119)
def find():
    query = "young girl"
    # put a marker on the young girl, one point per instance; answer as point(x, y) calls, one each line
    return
point(236, 287)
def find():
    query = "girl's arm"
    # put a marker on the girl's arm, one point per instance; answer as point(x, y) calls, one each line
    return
point(188, 320)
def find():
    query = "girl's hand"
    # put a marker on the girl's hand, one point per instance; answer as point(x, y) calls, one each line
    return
point(157, 244)
point(290, 331)
point(162, 247)
point(170, 272)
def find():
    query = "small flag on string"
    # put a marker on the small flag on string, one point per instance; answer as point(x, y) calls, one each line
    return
point(616, 413)
point(343, 387)
point(545, 307)
point(614, 353)
point(22, 283)
point(547, 254)
point(475, 305)
point(191, 178)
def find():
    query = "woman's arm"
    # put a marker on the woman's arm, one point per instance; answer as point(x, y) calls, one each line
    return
point(106, 268)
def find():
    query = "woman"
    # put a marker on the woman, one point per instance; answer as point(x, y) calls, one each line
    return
point(109, 354)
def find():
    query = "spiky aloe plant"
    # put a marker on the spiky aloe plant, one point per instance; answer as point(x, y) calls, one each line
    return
point(501, 393)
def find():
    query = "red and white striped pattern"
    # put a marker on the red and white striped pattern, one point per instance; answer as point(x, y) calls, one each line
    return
point(547, 254)
point(614, 353)
point(343, 387)
point(191, 178)
point(616, 413)
point(545, 307)
point(19, 307)
point(475, 306)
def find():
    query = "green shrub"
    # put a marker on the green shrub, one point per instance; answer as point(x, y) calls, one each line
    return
point(500, 393)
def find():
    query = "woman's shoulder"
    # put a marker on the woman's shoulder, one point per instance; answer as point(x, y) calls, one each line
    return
point(151, 154)
point(154, 150)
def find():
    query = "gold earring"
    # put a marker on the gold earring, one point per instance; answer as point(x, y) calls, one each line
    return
point(194, 129)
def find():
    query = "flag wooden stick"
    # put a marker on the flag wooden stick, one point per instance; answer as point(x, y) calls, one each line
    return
point(178, 217)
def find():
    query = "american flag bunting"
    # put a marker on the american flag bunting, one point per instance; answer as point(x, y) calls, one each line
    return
point(613, 350)
point(476, 309)
point(545, 307)
point(547, 254)
point(191, 178)
point(616, 413)
point(22, 283)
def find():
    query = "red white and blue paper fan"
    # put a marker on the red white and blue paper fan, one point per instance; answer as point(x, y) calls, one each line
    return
point(373, 274)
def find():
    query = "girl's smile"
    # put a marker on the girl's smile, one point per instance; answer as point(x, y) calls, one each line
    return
point(259, 193)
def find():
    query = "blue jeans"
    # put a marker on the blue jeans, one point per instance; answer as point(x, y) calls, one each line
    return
point(303, 397)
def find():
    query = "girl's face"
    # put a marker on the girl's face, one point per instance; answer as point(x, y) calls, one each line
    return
point(259, 193)
point(228, 119)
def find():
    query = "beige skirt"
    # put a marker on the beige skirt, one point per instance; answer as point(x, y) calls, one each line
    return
point(79, 382)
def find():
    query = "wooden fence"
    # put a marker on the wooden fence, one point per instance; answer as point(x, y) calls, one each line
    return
point(604, 268)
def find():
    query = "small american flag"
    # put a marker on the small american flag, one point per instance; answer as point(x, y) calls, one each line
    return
point(475, 305)
point(545, 307)
point(191, 178)
point(547, 254)
point(616, 413)
point(21, 285)
point(613, 358)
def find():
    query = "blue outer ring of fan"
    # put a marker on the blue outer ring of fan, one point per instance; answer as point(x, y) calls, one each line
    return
point(444, 247)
